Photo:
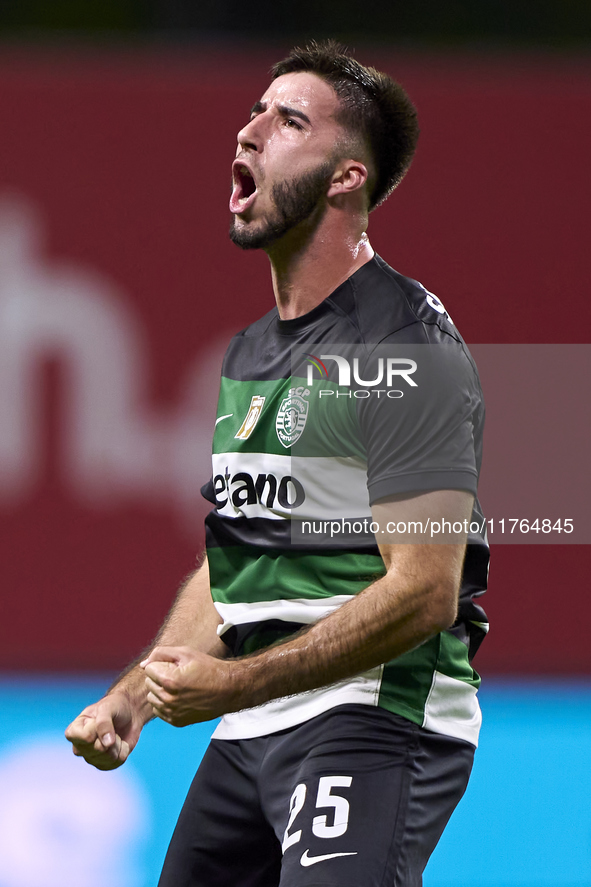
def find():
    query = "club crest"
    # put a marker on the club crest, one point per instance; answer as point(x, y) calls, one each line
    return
point(291, 419)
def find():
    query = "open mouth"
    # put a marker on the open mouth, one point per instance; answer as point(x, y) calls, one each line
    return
point(244, 188)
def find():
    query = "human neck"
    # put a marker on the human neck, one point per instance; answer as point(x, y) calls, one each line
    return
point(305, 269)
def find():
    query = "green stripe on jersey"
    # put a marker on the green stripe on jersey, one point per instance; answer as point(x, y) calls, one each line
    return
point(243, 574)
point(407, 680)
point(453, 660)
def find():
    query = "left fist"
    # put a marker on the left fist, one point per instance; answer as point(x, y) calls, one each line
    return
point(187, 687)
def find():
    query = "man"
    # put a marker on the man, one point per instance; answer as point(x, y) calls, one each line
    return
point(341, 667)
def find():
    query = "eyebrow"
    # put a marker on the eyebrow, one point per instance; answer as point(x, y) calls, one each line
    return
point(284, 110)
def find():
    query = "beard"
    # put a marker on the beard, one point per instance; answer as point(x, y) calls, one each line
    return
point(295, 201)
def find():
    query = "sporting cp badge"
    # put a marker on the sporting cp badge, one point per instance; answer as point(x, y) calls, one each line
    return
point(291, 418)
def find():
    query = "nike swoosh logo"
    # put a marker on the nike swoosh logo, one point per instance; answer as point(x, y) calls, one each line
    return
point(312, 860)
point(217, 421)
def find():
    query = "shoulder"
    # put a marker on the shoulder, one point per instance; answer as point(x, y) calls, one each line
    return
point(386, 303)
point(242, 358)
point(258, 327)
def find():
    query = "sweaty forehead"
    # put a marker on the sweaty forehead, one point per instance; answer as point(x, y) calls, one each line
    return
point(304, 91)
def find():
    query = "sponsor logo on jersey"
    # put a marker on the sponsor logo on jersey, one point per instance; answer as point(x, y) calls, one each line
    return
point(434, 302)
point(242, 489)
point(251, 418)
point(292, 415)
point(221, 418)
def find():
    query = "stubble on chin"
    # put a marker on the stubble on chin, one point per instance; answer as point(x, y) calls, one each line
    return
point(251, 237)
point(294, 200)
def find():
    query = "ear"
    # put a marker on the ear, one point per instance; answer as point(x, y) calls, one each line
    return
point(349, 176)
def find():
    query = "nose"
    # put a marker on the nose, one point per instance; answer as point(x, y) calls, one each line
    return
point(251, 135)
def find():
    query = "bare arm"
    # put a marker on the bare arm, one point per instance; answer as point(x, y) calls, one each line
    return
point(107, 731)
point(416, 599)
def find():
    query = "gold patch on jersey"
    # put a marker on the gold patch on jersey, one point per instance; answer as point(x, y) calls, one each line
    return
point(251, 419)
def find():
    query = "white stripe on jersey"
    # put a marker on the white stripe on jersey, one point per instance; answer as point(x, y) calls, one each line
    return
point(302, 610)
point(333, 487)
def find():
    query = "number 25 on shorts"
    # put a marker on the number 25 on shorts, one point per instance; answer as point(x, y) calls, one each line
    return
point(325, 798)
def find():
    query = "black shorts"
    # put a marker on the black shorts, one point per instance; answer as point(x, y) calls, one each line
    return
point(356, 797)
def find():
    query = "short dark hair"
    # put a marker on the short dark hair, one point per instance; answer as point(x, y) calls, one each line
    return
point(374, 108)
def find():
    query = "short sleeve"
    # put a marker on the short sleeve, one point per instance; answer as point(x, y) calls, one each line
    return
point(420, 427)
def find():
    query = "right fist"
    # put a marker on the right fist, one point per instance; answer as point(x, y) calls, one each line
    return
point(105, 733)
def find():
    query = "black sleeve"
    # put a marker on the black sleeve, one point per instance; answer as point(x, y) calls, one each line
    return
point(420, 431)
